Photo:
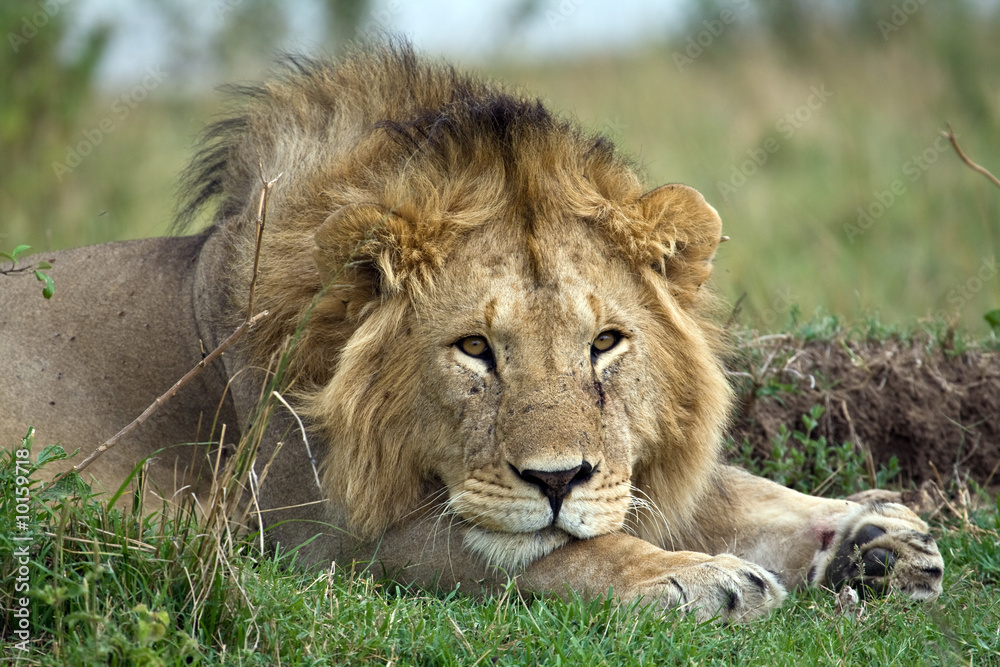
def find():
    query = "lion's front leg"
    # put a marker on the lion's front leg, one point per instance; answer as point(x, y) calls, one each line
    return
point(723, 586)
point(874, 547)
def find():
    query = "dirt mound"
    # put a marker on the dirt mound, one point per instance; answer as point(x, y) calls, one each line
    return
point(938, 412)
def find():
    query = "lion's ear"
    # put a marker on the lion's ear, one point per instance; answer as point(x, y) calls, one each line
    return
point(687, 231)
point(383, 250)
point(359, 237)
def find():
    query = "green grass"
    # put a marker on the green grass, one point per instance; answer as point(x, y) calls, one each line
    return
point(108, 586)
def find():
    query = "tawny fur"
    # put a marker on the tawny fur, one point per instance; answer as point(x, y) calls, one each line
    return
point(418, 207)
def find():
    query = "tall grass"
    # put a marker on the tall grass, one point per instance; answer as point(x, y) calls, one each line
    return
point(112, 586)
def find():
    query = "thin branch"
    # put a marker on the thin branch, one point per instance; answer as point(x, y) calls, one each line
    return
point(950, 136)
point(305, 440)
point(737, 307)
point(265, 194)
point(15, 269)
point(247, 323)
point(166, 396)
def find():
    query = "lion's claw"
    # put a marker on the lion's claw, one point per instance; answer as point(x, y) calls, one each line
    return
point(724, 587)
point(881, 547)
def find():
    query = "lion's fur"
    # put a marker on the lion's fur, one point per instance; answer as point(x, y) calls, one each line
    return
point(377, 212)
point(417, 209)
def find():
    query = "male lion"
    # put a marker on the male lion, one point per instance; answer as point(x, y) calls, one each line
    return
point(505, 361)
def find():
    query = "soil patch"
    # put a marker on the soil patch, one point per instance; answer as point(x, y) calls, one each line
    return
point(937, 412)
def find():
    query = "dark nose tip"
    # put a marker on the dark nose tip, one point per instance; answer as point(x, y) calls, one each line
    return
point(557, 484)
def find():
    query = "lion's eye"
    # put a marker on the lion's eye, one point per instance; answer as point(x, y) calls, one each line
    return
point(605, 341)
point(475, 346)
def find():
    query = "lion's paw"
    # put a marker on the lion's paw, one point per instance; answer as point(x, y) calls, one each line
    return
point(724, 587)
point(880, 547)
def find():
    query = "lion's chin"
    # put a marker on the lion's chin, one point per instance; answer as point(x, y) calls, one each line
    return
point(512, 552)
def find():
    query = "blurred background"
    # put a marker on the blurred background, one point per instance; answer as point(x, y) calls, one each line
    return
point(813, 126)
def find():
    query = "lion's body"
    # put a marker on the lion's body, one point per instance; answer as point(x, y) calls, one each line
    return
point(504, 353)
point(84, 364)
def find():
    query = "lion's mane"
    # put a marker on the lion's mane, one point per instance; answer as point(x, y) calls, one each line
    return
point(386, 161)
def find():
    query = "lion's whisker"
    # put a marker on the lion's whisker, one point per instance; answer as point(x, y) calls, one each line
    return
point(446, 510)
point(642, 501)
point(432, 499)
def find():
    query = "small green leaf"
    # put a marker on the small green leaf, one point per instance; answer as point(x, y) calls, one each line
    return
point(9, 257)
point(43, 265)
point(70, 486)
point(50, 286)
point(50, 453)
point(20, 250)
point(992, 318)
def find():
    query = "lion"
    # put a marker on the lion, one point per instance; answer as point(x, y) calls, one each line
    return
point(500, 344)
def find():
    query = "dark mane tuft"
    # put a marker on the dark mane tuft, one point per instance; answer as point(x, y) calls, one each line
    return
point(313, 110)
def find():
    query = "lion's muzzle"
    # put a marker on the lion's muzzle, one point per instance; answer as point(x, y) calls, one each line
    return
point(556, 485)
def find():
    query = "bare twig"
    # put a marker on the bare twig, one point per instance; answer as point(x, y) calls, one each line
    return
point(950, 136)
point(737, 307)
point(305, 440)
point(993, 473)
point(16, 269)
point(166, 396)
point(247, 323)
point(265, 193)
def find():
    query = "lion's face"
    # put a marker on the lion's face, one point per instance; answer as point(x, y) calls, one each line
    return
point(536, 366)
point(551, 384)
point(544, 364)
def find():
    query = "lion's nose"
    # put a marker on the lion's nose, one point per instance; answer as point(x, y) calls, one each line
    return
point(557, 484)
